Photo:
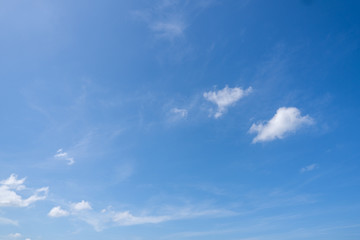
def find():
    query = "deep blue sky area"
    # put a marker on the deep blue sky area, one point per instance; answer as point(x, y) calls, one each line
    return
point(179, 119)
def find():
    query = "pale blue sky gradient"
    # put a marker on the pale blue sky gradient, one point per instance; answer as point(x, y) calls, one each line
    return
point(170, 119)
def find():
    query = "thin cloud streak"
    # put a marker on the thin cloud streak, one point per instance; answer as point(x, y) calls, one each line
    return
point(108, 217)
point(7, 221)
point(60, 154)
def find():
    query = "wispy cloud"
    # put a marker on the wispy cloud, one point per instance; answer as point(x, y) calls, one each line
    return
point(285, 121)
point(165, 19)
point(309, 168)
point(225, 97)
point(15, 235)
point(9, 196)
point(169, 19)
point(128, 219)
point(60, 154)
point(178, 113)
point(7, 221)
point(108, 217)
point(168, 30)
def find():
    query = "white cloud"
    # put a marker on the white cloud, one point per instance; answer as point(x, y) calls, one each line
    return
point(60, 154)
point(225, 97)
point(10, 198)
point(83, 205)
point(13, 183)
point(15, 235)
point(179, 112)
point(309, 168)
point(58, 212)
point(285, 121)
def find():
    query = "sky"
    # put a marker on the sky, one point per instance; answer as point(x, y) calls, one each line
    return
point(179, 119)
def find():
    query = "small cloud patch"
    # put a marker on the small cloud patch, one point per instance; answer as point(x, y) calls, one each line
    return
point(56, 212)
point(179, 112)
point(309, 168)
point(80, 206)
point(225, 98)
point(60, 154)
point(285, 121)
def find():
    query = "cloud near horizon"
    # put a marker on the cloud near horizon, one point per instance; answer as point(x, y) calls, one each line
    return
point(225, 98)
point(285, 121)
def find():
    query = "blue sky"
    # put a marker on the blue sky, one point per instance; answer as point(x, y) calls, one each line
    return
point(167, 119)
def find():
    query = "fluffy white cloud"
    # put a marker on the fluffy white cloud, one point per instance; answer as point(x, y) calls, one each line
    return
point(225, 97)
point(285, 121)
point(60, 154)
point(309, 168)
point(10, 198)
point(83, 205)
point(58, 212)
